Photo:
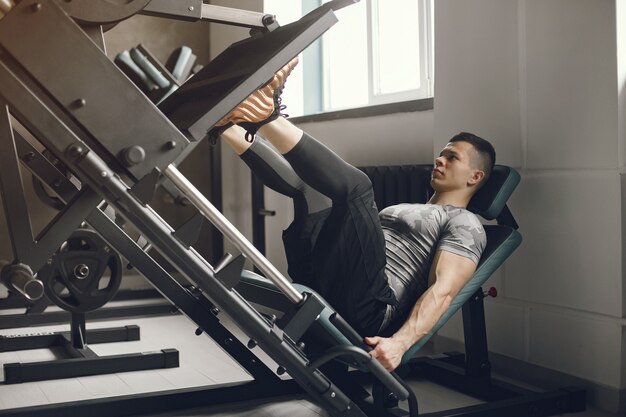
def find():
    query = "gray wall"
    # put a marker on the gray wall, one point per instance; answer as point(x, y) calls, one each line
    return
point(542, 80)
point(160, 36)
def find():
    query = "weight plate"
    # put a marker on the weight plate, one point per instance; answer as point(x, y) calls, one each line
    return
point(84, 274)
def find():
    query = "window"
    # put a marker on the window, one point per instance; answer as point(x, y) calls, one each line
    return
point(380, 51)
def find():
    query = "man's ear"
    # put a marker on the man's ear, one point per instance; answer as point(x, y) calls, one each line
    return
point(477, 177)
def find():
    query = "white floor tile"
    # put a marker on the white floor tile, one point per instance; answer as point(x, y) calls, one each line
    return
point(100, 386)
point(203, 363)
point(70, 390)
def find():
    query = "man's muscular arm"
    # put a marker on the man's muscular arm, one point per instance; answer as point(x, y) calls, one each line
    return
point(448, 275)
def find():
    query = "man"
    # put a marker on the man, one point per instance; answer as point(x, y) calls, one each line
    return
point(392, 273)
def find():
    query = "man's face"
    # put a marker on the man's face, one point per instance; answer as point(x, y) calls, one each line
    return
point(454, 168)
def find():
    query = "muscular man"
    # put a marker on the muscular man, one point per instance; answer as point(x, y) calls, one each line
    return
point(391, 274)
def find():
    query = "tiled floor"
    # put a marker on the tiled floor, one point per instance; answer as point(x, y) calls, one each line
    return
point(202, 363)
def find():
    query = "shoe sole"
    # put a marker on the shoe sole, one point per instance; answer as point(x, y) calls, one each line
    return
point(260, 104)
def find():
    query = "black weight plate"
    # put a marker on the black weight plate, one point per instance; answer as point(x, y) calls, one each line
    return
point(84, 274)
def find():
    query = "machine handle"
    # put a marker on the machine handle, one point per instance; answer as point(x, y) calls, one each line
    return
point(388, 379)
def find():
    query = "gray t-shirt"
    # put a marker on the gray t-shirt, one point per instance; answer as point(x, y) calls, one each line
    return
point(413, 234)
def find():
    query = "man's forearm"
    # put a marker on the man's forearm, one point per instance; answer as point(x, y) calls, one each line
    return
point(424, 316)
point(449, 273)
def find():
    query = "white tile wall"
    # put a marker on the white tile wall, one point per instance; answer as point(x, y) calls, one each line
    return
point(623, 281)
point(557, 60)
point(236, 194)
point(476, 74)
point(506, 328)
point(275, 226)
point(576, 344)
point(453, 328)
point(620, 12)
point(571, 81)
point(571, 253)
point(623, 361)
point(401, 138)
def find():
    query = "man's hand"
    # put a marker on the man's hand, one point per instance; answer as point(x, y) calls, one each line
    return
point(387, 350)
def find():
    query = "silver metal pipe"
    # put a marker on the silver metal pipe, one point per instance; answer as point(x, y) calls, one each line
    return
point(239, 240)
point(20, 277)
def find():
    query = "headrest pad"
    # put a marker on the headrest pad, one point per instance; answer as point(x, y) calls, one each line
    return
point(489, 201)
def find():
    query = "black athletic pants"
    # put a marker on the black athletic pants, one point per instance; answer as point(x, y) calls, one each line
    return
point(335, 244)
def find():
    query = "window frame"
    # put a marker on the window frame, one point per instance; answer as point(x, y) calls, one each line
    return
point(425, 52)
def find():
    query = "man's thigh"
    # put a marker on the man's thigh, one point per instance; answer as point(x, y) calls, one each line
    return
point(298, 240)
point(349, 263)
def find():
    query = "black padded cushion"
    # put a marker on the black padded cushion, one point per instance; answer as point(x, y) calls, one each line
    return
point(489, 201)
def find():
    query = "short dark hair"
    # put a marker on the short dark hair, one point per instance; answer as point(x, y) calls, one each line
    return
point(485, 150)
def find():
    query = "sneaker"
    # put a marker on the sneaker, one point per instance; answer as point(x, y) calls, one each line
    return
point(260, 108)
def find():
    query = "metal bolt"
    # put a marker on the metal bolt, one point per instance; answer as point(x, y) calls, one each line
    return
point(228, 341)
point(251, 344)
point(281, 370)
point(81, 271)
point(268, 19)
point(36, 7)
point(198, 331)
point(104, 174)
point(29, 156)
point(106, 249)
point(190, 8)
point(134, 155)
point(215, 311)
point(333, 395)
point(169, 145)
point(75, 150)
point(81, 102)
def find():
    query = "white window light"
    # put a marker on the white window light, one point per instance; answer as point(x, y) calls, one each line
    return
point(380, 51)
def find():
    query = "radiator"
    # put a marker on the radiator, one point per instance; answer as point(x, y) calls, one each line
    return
point(394, 184)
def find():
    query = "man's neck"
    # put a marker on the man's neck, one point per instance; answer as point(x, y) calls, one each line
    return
point(451, 198)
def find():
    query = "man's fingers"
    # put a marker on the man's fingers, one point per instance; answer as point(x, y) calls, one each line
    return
point(372, 341)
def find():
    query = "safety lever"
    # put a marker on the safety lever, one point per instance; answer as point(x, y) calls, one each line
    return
point(306, 313)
